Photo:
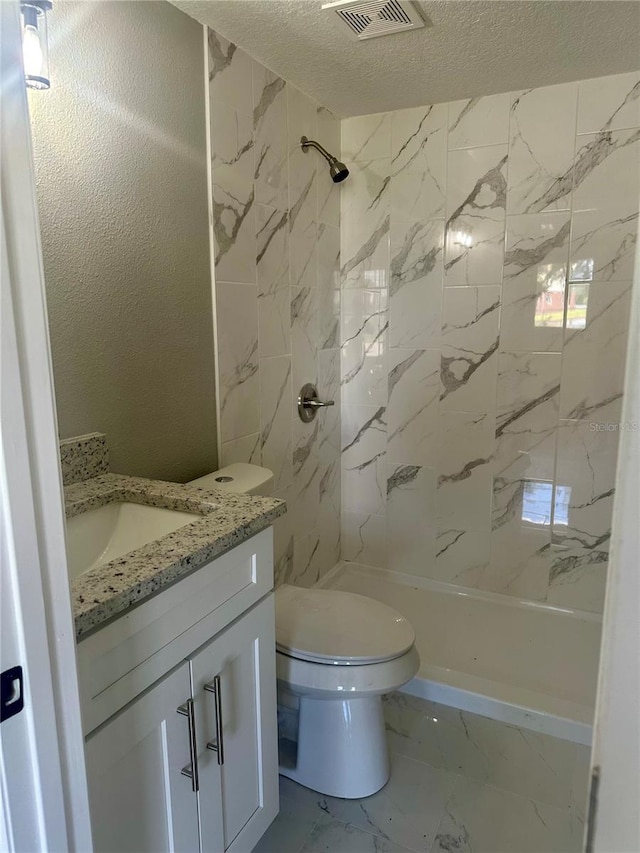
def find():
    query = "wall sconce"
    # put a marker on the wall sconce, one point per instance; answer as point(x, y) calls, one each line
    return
point(35, 52)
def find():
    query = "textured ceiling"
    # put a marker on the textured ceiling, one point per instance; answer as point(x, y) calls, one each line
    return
point(469, 48)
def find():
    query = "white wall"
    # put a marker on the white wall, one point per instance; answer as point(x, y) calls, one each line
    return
point(120, 152)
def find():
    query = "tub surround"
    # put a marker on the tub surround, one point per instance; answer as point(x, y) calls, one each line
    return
point(466, 663)
point(486, 275)
point(83, 457)
point(107, 591)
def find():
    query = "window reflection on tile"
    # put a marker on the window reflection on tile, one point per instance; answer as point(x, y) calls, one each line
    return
point(577, 305)
point(375, 278)
point(550, 302)
point(561, 505)
point(536, 502)
point(581, 270)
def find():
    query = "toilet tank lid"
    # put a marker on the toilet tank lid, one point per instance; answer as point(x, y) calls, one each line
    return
point(331, 626)
point(243, 477)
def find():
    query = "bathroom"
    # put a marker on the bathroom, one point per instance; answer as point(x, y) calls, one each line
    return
point(434, 227)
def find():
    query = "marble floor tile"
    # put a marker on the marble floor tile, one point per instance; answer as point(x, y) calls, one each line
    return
point(508, 757)
point(483, 819)
point(332, 836)
point(406, 812)
point(290, 829)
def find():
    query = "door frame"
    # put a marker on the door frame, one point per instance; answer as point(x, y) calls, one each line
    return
point(42, 772)
point(42, 768)
point(614, 822)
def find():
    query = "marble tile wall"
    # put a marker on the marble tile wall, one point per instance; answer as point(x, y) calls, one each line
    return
point(486, 263)
point(276, 225)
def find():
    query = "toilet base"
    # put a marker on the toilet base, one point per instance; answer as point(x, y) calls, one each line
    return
point(342, 747)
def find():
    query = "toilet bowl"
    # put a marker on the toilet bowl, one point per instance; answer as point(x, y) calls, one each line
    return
point(337, 654)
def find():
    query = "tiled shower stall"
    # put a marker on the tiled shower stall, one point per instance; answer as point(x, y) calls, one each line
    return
point(464, 294)
point(487, 258)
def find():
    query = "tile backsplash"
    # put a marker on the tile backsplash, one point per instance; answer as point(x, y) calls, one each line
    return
point(486, 262)
point(83, 457)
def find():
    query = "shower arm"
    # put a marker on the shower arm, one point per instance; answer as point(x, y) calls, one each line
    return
point(311, 143)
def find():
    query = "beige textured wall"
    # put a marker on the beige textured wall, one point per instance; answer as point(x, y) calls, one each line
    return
point(120, 155)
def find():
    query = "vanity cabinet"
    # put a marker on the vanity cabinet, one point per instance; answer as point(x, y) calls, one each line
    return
point(139, 799)
point(234, 690)
point(190, 763)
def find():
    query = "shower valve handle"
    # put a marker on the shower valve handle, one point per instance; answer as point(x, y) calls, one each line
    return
point(309, 403)
point(318, 404)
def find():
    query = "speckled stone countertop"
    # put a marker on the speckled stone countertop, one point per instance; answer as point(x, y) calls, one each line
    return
point(108, 591)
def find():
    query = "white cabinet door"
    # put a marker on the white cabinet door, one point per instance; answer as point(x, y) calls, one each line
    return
point(239, 720)
point(139, 799)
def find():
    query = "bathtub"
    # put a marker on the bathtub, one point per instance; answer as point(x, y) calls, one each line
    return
point(520, 662)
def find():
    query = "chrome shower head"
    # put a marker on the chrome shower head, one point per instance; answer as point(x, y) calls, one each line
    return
point(337, 170)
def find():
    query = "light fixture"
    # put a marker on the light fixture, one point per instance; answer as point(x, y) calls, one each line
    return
point(35, 53)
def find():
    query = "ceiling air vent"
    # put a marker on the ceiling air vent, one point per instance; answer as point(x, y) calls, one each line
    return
point(367, 19)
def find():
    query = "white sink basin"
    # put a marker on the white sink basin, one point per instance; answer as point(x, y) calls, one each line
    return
point(100, 535)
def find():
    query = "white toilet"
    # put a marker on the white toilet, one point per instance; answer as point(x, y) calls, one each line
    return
point(337, 653)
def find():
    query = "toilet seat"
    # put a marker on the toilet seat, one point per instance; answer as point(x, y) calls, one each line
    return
point(338, 628)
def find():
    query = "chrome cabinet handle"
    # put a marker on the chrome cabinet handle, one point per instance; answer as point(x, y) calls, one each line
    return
point(191, 770)
point(218, 746)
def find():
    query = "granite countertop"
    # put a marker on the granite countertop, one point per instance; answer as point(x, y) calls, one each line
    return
point(109, 590)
